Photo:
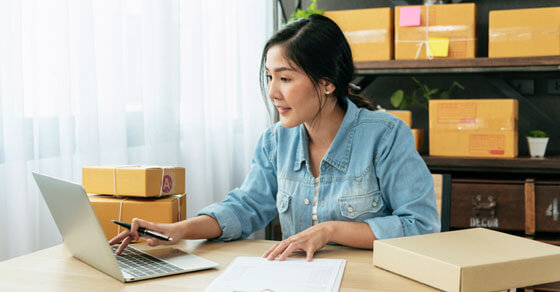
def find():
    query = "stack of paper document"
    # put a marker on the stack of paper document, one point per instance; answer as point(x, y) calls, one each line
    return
point(293, 274)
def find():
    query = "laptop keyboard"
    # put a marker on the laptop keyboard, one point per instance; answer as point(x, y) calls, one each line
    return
point(139, 264)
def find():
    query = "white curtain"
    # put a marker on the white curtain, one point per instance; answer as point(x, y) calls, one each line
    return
point(94, 82)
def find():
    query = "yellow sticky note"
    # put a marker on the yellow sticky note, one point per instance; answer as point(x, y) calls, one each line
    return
point(439, 46)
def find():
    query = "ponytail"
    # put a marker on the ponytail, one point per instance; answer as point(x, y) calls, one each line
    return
point(360, 101)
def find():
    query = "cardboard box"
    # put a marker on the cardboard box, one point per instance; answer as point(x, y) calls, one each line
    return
point(134, 181)
point(404, 115)
point(473, 127)
point(524, 32)
point(167, 209)
point(369, 32)
point(418, 139)
point(470, 260)
point(456, 22)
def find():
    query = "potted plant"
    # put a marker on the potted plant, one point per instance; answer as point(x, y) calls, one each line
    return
point(537, 141)
point(421, 95)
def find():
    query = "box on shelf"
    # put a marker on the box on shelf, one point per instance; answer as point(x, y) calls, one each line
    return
point(524, 32)
point(473, 127)
point(418, 139)
point(470, 260)
point(449, 31)
point(134, 181)
point(404, 115)
point(369, 32)
point(166, 209)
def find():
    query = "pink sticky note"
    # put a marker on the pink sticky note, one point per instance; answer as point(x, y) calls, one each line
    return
point(410, 16)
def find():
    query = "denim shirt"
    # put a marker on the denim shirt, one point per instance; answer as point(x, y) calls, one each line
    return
point(371, 173)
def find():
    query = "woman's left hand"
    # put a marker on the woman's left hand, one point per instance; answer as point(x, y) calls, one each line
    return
point(309, 241)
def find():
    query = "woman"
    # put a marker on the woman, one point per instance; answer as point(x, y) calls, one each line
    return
point(332, 169)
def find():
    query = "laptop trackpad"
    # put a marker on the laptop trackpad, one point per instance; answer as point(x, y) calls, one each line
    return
point(180, 258)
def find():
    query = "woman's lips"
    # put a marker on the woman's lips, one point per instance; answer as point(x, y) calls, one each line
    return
point(282, 109)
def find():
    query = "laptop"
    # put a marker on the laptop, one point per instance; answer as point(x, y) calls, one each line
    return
point(83, 236)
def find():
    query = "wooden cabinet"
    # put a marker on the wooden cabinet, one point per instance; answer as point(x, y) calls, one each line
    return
point(518, 195)
point(485, 203)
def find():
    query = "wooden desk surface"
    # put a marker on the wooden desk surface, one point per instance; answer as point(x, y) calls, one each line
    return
point(54, 269)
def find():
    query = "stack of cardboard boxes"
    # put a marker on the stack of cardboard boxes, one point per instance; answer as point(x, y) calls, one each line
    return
point(121, 193)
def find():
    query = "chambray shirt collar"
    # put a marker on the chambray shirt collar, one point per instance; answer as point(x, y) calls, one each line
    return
point(339, 151)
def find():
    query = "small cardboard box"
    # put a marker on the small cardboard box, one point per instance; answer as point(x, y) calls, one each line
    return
point(524, 32)
point(473, 127)
point(456, 22)
point(134, 181)
point(368, 31)
point(470, 260)
point(168, 209)
point(418, 139)
point(404, 115)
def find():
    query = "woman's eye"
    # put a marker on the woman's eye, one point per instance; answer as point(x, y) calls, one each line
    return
point(284, 79)
point(268, 78)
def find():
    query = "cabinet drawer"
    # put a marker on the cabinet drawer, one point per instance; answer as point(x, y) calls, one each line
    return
point(547, 208)
point(498, 205)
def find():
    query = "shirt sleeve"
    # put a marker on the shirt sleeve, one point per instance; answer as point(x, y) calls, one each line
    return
point(252, 206)
point(406, 185)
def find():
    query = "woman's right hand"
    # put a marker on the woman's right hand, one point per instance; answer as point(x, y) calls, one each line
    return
point(171, 230)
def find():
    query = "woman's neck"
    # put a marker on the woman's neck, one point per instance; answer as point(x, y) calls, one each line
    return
point(323, 130)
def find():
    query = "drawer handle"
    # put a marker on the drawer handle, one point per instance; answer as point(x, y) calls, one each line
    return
point(478, 205)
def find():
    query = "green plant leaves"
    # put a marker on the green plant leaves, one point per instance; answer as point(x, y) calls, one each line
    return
point(397, 98)
point(538, 134)
point(421, 95)
point(312, 9)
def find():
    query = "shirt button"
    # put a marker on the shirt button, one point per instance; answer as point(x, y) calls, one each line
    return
point(374, 203)
point(350, 209)
point(306, 201)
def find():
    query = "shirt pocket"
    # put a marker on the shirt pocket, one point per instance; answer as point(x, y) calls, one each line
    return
point(353, 206)
point(283, 202)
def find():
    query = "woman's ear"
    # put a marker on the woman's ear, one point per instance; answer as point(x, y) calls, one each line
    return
point(327, 87)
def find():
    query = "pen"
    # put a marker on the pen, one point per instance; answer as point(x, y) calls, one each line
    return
point(143, 230)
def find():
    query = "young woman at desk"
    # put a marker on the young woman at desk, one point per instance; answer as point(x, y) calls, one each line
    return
point(332, 169)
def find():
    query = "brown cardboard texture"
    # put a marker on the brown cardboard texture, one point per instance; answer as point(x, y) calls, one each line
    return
point(167, 209)
point(470, 260)
point(134, 181)
point(473, 127)
point(453, 21)
point(524, 32)
point(418, 139)
point(368, 31)
point(404, 115)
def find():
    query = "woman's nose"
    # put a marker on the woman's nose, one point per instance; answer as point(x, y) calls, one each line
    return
point(273, 92)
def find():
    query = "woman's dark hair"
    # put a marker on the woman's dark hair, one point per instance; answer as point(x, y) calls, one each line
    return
point(319, 48)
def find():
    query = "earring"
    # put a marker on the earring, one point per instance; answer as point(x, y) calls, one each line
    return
point(327, 92)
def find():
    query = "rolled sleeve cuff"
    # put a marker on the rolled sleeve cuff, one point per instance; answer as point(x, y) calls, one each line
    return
point(386, 227)
point(229, 223)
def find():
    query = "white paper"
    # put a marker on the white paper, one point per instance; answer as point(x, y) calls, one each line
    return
point(256, 274)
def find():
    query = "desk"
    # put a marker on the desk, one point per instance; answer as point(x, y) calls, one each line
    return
point(54, 269)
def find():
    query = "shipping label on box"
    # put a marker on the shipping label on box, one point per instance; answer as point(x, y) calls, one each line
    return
point(167, 209)
point(524, 32)
point(368, 31)
point(134, 181)
point(447, 31)
point(470, 260)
